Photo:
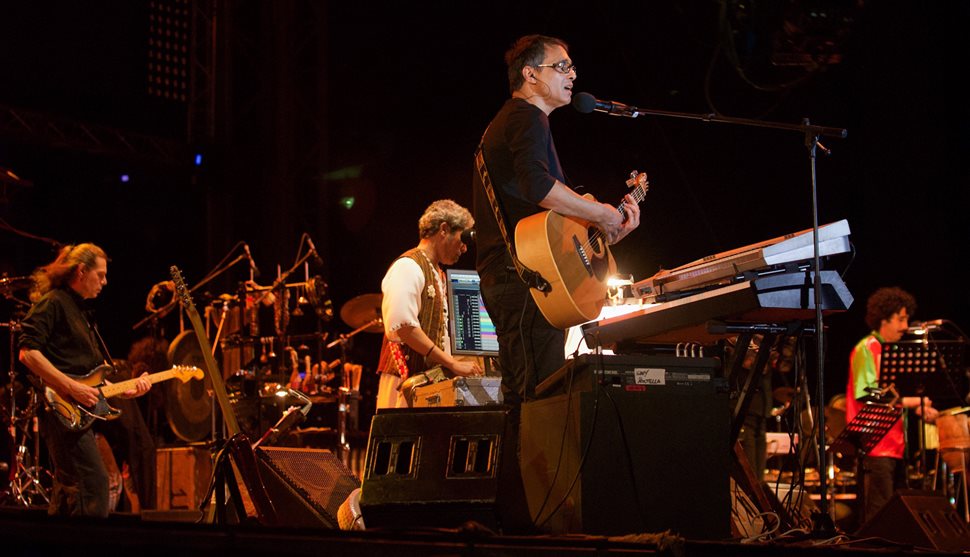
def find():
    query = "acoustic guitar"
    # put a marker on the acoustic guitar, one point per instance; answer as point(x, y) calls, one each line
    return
point(573, 257)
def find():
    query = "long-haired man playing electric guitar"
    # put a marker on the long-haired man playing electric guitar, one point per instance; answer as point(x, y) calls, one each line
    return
point(59, 344)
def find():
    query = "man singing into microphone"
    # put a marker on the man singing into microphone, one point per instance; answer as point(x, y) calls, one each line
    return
point(526, 177)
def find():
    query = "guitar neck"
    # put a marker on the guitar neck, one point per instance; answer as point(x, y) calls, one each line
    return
point(218, 386)
point(215, 374)
point(638, 193)
point(116, 389)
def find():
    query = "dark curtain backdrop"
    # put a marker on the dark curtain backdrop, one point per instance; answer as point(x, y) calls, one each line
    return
point(323, 102)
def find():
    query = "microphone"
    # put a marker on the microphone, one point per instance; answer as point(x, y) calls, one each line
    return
point(291, 417)
point(317, 260)
point(923, 327)
point(252, 264)
point(468, 236)
point(586, 103)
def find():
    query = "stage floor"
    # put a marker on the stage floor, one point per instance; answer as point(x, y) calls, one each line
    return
point(31, 532)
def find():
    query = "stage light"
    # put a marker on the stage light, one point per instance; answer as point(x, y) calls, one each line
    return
point(124, 178)
point(347, 202)
point(616, 281)
point(198, 159)
point(619, 288)
point(169, 23)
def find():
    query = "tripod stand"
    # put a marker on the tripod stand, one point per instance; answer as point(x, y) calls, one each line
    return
point(29, 483)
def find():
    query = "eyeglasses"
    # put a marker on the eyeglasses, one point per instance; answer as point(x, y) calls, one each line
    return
point(562, 66)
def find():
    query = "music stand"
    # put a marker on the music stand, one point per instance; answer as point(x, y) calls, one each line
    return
point(866, 429)
point(863, 433)
point(925, 368)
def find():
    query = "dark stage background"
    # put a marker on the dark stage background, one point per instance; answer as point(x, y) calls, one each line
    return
point(298, 105)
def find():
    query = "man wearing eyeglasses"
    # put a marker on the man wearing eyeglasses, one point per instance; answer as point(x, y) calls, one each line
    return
point(526, 177)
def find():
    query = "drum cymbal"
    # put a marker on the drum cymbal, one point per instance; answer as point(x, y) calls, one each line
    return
point(362, 310)
point(834, 421)
point(11, 284)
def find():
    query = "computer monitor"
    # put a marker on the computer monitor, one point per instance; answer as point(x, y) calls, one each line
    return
point(471, 330)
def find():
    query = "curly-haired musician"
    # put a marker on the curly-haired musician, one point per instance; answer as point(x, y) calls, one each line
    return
point(887, 313)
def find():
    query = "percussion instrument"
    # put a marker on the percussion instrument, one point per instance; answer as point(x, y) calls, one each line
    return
point(954, 437)
point(364, 310)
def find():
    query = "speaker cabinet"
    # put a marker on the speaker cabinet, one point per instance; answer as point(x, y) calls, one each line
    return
point(616, 461)
point(435, 467)
point(306, 486)
point(920, 518)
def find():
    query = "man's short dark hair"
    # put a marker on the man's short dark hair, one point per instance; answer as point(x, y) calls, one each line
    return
point(527, 51)
point(886, 301)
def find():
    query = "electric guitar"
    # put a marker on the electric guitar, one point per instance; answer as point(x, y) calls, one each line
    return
point(77, 417)
point(573, 257)
point(238, 446)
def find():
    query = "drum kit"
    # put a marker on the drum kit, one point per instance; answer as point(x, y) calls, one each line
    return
point(267, 374)
point(29, 484)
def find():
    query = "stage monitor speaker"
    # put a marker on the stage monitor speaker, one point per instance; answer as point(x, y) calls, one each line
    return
point(612, 461)
point(435, 467)
point(923, 519)
point(306, 486)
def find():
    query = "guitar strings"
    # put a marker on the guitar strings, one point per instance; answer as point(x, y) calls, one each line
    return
point(639, 194)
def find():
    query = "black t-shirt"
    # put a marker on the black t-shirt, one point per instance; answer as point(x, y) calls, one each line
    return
point(523, 166)
point(57, 327)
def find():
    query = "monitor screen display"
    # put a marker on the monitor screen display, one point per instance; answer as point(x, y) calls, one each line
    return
point(470, 328)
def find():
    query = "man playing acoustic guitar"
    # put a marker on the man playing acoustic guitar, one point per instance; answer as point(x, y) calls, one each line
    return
point(527, 178)
point(59, 344)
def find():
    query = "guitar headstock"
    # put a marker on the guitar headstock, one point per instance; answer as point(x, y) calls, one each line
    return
point(181, 290)
point(638, 180)
point(184, 373)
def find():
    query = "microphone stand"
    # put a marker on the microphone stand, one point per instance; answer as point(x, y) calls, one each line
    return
point(162, 312)
point(823, 525)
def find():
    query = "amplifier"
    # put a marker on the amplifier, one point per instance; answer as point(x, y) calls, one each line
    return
point(635, 372)
point(615, 461)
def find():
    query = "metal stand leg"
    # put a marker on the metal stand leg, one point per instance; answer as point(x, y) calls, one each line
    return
point(963, 483)
point(28, 481)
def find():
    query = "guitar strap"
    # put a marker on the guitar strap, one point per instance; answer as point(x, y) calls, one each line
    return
point(104, 347)
point(531, 278)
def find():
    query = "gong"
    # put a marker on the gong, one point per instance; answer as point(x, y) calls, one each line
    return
point(188, 405)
